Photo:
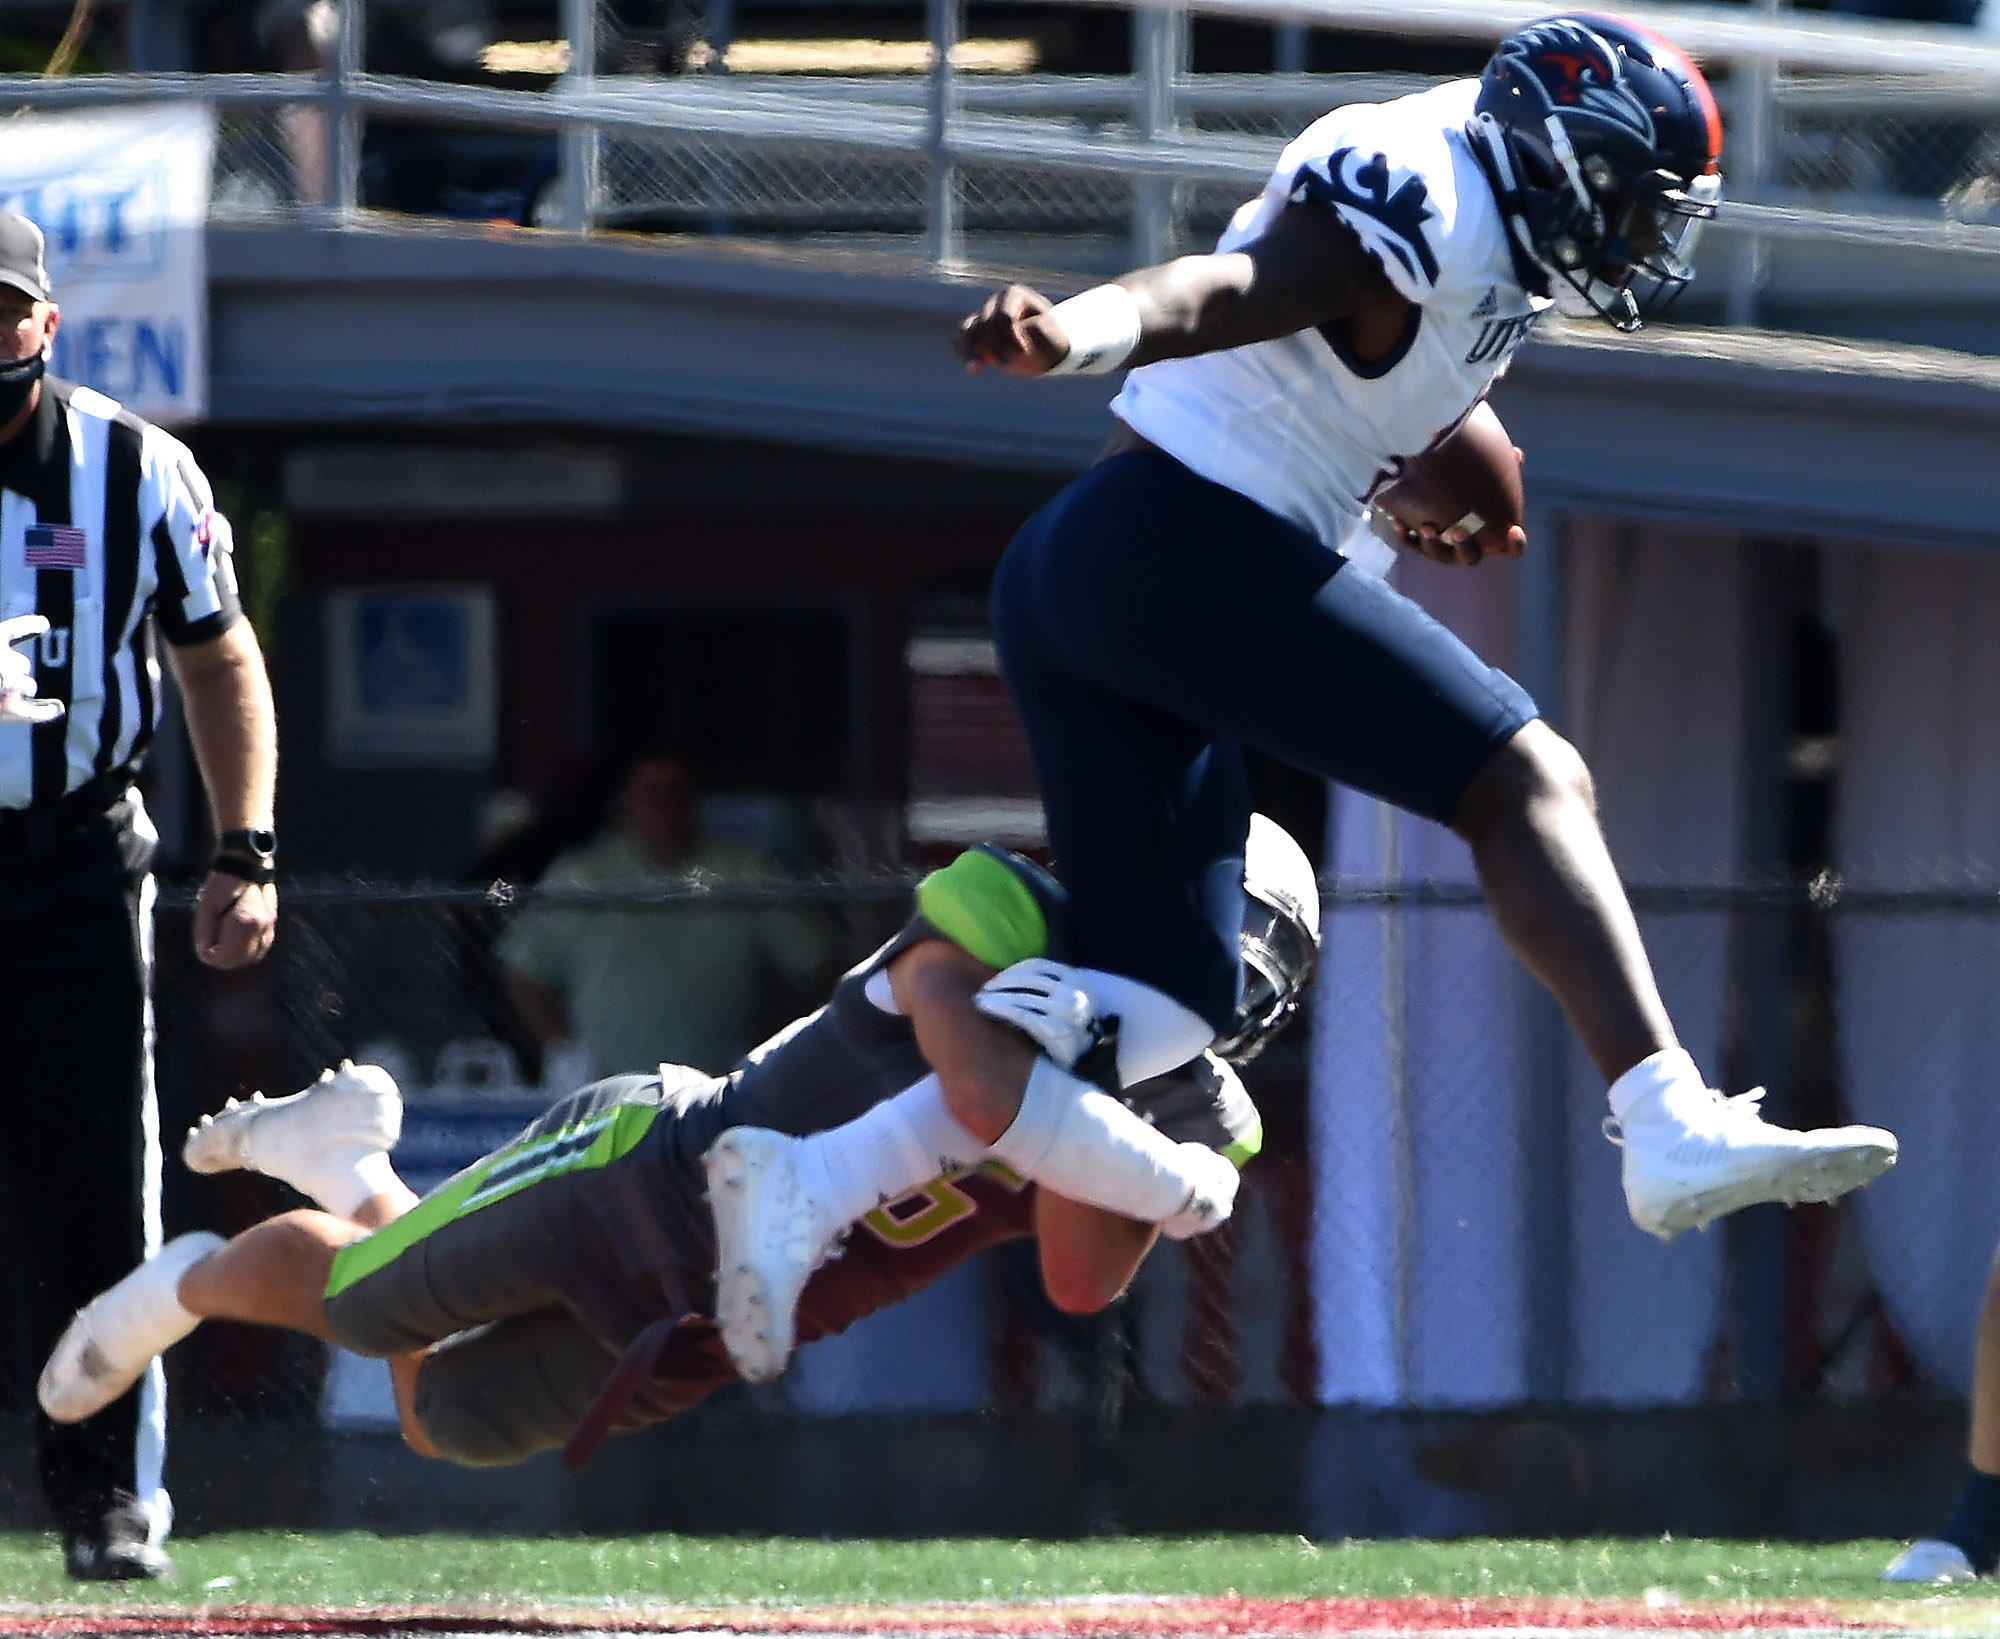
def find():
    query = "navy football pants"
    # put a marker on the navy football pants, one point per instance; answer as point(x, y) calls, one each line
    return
point(1150, 624)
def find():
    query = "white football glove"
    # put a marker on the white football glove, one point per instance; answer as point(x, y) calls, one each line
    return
point(1047, 1002)
point(17, 674)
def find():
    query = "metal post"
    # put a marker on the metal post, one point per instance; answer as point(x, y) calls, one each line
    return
point(579, 141)
point(1758, 1043)
point(157, 37)
point(343, 120)
point(721, 19)
point(1545, 1038)
point(941, 225)
point(1401, 1137)
point(1289, 48)
point(1159, 51)
point(1749, 164)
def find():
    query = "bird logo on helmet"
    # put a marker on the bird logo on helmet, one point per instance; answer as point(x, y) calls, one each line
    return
point(1280, 937)
point(1601, 140)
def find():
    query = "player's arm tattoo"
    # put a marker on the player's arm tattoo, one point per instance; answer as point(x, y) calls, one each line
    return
point(1306, 269)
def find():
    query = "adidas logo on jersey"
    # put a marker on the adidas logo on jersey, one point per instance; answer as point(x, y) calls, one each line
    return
point(1489, 305)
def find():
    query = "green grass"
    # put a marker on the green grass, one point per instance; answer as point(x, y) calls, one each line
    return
point(287, 1568)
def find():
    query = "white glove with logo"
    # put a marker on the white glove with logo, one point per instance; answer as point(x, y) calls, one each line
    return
point(17, 674)
point(1047, 1002)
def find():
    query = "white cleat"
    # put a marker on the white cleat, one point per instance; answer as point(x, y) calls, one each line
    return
point(111, 1340)
point(353, 1109)
point(1930, 1560)
point(770, 1235)
point(1681, 1176)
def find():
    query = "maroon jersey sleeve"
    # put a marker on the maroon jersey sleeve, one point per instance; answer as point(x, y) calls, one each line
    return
point(901, 1248)
point(894, 1251)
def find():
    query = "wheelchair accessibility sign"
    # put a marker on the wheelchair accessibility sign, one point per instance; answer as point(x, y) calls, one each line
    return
point(122, 200)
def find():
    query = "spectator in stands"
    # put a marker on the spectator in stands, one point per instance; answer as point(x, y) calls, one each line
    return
point(424, 39)
point(1933, 157)
point(660, 984)
point(298, 37)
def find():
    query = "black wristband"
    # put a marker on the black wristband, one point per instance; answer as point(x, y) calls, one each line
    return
point(257, 872)
point(255, 843)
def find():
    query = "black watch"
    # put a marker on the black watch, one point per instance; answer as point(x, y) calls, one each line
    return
point(260, 845)
point(251, 855)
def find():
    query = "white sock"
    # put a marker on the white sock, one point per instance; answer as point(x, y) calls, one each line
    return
point(1665, 1086)
point(343, 1177)
point(1155, 1033)
point(886, 1152)
point(147, 1331)
point(1088, 1147)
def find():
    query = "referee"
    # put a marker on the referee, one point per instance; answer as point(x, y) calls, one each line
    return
point(105, 521)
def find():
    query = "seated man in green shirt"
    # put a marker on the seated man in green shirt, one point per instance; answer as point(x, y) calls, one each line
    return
point(665, 984)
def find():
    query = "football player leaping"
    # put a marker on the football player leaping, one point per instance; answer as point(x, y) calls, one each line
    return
point(1188, 595)
point(507, 1298)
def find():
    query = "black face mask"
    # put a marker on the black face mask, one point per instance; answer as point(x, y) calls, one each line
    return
point(17, 381)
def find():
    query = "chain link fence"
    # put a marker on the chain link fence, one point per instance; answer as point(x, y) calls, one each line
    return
point(1891, 144)
point(1867, 145)
point(1434, 1224)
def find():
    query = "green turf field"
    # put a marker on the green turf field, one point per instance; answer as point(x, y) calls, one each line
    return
point(285, 1568)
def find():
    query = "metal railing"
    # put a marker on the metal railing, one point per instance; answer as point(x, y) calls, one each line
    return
point(1842, 132)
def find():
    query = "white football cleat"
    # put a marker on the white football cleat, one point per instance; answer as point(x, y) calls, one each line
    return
point(1683, 1175)
point(770, 1235)
point(1930, 1560)
point(349, 1111)
point(111, 1340)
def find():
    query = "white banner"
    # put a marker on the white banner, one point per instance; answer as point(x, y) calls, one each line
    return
point(123, 199)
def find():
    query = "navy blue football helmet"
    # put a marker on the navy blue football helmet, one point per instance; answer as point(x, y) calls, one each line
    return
point(1601, 141)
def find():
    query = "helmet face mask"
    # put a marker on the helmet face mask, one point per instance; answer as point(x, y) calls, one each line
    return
point(1601, 142)
point(1280, 939)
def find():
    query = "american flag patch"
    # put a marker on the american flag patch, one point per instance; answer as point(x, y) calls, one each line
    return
point(55, 546)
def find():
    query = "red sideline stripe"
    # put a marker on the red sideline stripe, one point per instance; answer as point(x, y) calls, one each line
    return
point(1225, 1618)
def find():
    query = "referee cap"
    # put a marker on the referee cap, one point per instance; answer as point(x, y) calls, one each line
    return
point(21, 263)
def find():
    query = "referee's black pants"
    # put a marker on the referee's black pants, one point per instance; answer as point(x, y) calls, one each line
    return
point(78, 1130)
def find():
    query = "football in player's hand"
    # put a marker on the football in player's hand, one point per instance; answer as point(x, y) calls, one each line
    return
point(1468, 481)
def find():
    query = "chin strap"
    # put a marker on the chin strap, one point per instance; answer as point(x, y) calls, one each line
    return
point(1489, 147)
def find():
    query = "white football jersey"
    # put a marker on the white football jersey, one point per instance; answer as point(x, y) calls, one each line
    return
point(1298, 424)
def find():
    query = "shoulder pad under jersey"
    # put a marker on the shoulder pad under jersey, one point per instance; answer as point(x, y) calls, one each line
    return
point(1387, 170)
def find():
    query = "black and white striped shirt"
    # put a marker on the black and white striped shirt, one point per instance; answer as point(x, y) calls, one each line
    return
point(103, 520)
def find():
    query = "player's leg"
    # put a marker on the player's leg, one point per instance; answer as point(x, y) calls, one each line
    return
point(82, 1160)
point(1968, 1545)
point(273, 1274)
point(1144, 566)
point(330, 1142)
point(1088, 1256)
point(507, 1391)
point(284, 1271)
point(1530, 818)
point(513, 1233)
point(1145, 803)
